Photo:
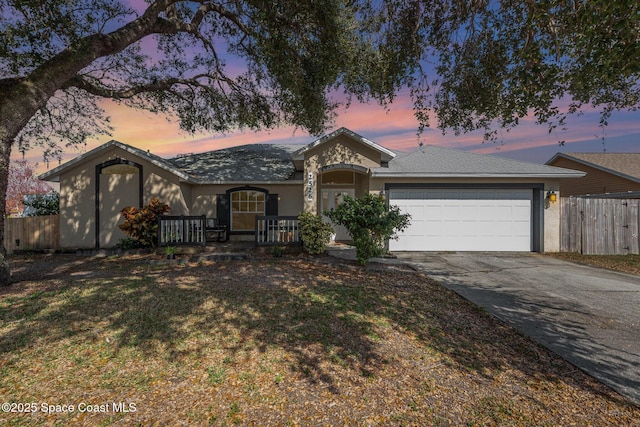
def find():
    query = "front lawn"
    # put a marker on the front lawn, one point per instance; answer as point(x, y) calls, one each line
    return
point(624, 263)
point(289, 341)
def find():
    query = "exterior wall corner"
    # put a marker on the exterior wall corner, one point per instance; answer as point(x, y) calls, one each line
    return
point(552, 221)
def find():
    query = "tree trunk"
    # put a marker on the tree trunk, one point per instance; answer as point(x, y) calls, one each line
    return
point(5, 155)
point(12, 120)
point(23, 97)
point(21, 101)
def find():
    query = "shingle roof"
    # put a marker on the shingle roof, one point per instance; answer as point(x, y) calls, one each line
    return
point(626, 165)
point(263, 163)
point(246, 163)
point(433, 161)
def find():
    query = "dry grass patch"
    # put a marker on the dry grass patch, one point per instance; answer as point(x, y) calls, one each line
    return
point(291, 341)
point(624, 263)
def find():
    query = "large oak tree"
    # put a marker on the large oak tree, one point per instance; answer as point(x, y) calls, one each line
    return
point(216, 65)
point(220, 65)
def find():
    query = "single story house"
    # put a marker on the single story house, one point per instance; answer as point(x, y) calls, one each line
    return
point(458, 201)
point(608, 174)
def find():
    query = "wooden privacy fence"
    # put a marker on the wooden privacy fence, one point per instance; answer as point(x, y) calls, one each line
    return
point(32, 233)
point(600, 226)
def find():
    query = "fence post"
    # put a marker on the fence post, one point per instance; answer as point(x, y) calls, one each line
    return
point(203, 230)
point(633, 222)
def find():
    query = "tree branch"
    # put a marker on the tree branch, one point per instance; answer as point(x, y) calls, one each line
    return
point(87, 85)
point(206, 8)
point(104, 92)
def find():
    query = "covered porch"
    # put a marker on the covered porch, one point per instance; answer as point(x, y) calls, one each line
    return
point(335, 182)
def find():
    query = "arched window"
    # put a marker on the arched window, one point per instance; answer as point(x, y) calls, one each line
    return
point(120, 169)
point(338, 177)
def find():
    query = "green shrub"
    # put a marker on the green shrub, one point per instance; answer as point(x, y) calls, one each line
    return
point(314, 232)
point(141, 224)
point(42, 204)
point(129, 243)
point(276, 251)
point(371, 222)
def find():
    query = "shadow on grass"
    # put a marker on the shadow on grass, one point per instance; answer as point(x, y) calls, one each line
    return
point(321, 314)
point(156, 308)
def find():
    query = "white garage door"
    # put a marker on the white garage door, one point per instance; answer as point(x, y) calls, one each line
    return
point(464, 219)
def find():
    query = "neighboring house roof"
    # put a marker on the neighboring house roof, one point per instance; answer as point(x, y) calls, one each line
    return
point(438, 162)
point(386, 153)
point(624, 165)
point(54, 174)
point(242, 164)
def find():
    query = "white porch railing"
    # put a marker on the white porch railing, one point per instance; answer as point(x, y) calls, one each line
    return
point(277, 230)
point(182, 230)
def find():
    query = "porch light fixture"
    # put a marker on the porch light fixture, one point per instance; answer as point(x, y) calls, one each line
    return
point(551, 195)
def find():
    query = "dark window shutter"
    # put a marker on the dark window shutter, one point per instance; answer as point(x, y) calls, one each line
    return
point(272, 204)
point(222, 209)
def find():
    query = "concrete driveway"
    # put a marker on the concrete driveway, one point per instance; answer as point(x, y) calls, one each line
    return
point(589, 316)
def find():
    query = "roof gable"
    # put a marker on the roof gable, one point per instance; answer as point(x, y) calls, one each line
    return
point(244, 164)
point(54, 174)
point(624, 165)
point(385, 152)
point(433, 161)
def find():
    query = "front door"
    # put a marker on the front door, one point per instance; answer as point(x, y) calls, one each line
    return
point(331, 199)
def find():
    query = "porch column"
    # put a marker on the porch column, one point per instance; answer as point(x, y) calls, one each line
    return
point(310, 187)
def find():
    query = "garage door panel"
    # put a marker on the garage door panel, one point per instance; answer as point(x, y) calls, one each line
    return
point(477, 213)
point(521, 228)
point(521, 210)
point(503, 215)
point(414, 207)
point(462, 229)
point(450, 213)
point(465, 219)
point(433, 211)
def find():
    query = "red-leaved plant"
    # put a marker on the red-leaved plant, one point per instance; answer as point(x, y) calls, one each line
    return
point(142, 223)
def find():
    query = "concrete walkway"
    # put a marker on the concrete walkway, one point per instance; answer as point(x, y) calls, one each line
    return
point(588, 316)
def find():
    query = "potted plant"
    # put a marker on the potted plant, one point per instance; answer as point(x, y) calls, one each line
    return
point(170, 251)
point(276, 251)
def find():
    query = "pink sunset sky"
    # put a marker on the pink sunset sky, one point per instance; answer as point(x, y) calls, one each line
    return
point(394, 128)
